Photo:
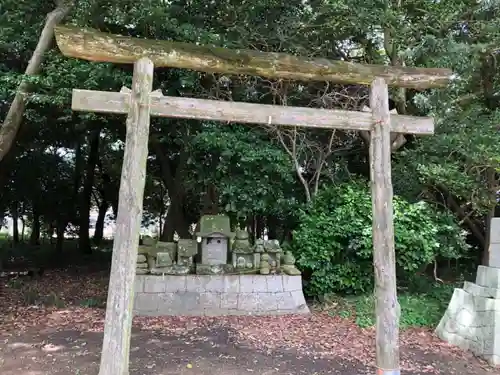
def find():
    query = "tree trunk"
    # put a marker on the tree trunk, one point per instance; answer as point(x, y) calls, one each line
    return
point(97, 46)
point(250, 224)
point(35, 226)
point(84, 235)
point(77, 173)
point(109, 190)
point(13, 119)
point(114, 206)
point(23, 227)
point(211, 201)
point(392, 51)
point(167, 234)
point(15, 224)
point(272, 225)
point(455, 207)
point(6, 169)
point(175, 222)
point(60, 229)
point(99, 226)
point(492, 184)
point(162, 205)
point(260, 226)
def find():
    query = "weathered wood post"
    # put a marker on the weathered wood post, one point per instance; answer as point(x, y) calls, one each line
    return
point(384, 258)
point(118, 325)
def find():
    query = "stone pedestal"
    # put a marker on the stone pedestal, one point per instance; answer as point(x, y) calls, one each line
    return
point(219, 295)
point(472, 320)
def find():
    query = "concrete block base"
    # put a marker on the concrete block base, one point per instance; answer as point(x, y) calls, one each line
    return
point(472, 320)
point(219, 295)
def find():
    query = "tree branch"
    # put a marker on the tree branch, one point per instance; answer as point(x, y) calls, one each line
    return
point(293, 154)
point(12, 121)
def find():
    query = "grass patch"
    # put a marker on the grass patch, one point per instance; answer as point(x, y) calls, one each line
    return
point(417, 309)
point(53, 300)
point(31, 297)
point(93, 303)
point(15, 283)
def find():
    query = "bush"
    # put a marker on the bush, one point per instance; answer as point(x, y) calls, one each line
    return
point(417, 309)
point(333, 242)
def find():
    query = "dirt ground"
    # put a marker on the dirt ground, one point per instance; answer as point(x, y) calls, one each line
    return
point(37, 340)
point(208, 351)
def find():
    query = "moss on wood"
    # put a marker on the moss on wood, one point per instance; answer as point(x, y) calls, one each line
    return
point(94, 45)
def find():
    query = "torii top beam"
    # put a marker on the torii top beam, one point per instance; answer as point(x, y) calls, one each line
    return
point(93, 45)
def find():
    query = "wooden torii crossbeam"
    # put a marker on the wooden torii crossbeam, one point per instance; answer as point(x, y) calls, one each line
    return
point(93, 45)
point(265, 114)
point(141, 102)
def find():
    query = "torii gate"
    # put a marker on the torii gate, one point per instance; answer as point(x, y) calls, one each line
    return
point(141, 102)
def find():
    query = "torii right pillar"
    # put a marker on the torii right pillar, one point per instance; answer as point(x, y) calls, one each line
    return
point(472, 320)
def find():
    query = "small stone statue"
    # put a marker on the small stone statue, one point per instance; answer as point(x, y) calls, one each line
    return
point(240, 263)
point(274, 266)
point(180, 269)
point(259, 246)
point(264, 264)
point(244, 258)
point(148, 241)
point(241, 243)
point(142, 265)
point(288, 265)
point(163, 260)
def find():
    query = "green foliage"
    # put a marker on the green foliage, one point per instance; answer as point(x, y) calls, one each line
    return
point(460, 160)
point(252, 174)
point(53, 300)
point(334, 239)
point(419, 308)
point(15, 283)
point(31, 296)
point(93, 303)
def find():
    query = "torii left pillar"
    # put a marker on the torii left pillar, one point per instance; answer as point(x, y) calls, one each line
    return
point(118, 325)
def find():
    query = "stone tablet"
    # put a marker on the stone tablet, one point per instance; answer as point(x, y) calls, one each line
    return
point(187, 248)
point(163, 260)
point(214, 251)
point(167, 247)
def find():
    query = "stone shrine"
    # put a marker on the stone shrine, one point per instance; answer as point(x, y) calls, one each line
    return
point(472, 320)
point(218, 272)
point(213, 233)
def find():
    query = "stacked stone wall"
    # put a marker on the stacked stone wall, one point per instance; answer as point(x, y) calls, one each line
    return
point(219, 295)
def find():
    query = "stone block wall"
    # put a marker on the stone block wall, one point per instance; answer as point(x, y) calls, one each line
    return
point(218, 295)
point(494, 245)
point(472, 320)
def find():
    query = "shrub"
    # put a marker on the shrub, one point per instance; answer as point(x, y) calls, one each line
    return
point(333, 242)
point(417, 310)
point(93, 303)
